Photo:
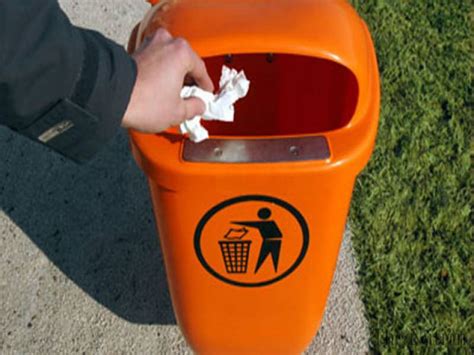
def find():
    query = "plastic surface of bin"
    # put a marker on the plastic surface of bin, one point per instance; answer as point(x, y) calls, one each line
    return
point(251, 220)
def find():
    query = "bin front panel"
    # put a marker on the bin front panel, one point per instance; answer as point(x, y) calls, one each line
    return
point(250, 265)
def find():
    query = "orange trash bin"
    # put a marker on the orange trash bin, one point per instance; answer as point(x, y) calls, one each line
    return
point(250, 221)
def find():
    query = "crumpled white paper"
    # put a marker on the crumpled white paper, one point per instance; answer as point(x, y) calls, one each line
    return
point(233, 85)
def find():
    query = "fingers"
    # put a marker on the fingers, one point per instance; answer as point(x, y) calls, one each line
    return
point(159, 37)
point(191, 107)
point(194, 65)
point(164, 64)
point(162, 36)
point(198, 72)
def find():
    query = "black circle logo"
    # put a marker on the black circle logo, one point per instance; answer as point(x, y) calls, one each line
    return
point(251, 240)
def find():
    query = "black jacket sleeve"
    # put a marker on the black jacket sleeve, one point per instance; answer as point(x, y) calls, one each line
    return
point(61, 85)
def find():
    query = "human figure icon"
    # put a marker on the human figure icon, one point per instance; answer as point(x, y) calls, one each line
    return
point(271, 235)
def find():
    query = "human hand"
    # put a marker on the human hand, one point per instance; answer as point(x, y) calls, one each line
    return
point(163, 64)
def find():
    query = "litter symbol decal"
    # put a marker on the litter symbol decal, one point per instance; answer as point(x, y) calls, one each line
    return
point(252, 240)
point(235, 252)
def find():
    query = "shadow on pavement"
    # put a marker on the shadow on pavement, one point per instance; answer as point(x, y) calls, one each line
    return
point(94, 222)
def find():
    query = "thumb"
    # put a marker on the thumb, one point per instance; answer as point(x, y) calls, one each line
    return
point(192, 106)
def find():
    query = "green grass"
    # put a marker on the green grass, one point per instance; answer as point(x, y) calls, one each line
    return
point(411, 211)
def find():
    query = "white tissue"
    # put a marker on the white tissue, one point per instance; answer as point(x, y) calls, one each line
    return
point(233, 85)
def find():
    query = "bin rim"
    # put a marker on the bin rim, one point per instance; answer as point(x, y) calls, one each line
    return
point(324, 29)
point(350, 46)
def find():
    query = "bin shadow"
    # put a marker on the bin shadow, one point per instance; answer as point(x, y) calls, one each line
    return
point(94, 222)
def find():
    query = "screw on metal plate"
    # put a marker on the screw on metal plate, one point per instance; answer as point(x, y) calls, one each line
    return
point(228, 58)
point(294, 150)
point(218, 152)
point(265, 150)
point(270, 57)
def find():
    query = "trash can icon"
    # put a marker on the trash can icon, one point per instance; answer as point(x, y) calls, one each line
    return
point(235, 252)
point(277, 181)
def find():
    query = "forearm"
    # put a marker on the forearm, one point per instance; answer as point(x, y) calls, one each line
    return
point(61, 85)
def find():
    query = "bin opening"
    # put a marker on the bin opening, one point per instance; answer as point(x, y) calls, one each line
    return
point(289, 94)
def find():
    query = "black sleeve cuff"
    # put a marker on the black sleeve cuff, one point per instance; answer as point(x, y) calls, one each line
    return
point(79, 125)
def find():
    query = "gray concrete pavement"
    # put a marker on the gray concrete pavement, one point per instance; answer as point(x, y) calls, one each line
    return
point(80, 267)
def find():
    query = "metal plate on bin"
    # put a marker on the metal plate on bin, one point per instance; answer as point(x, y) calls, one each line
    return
point(271, 150)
